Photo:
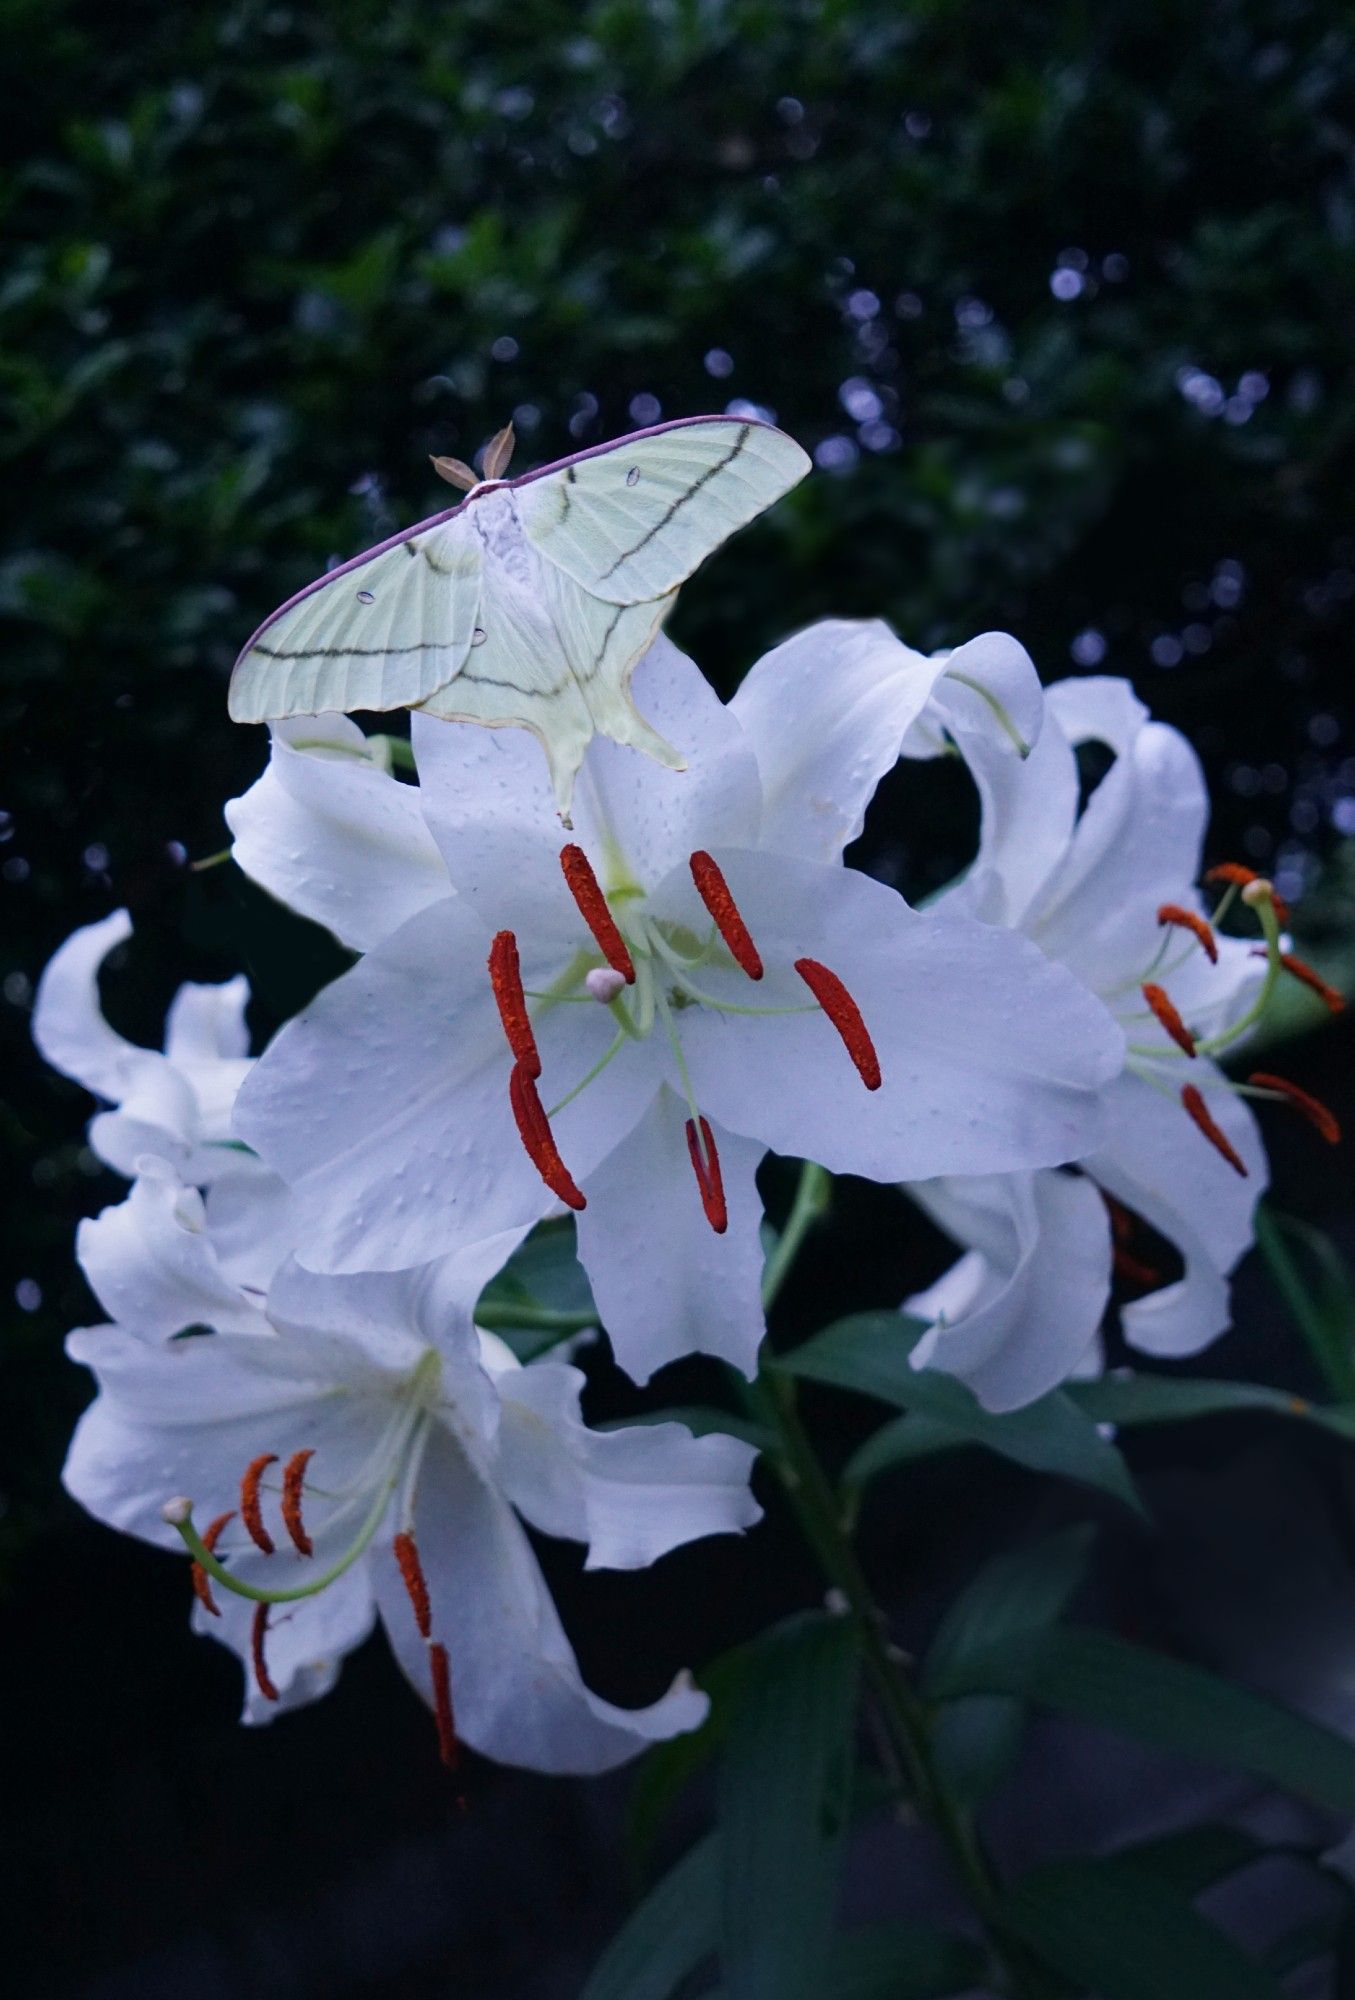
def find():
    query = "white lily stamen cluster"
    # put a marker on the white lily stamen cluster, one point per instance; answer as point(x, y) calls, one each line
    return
point(629, 1025)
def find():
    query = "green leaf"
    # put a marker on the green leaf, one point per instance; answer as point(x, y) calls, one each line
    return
point(542, 1295)
point(977, 1739)
point(868, 1352)
point(1167, 1703)
point(1129, 1400)
point(672, 1764)
point(666, 1937)
point(783, 1803)
point(902, 1960)
point(1324, 1309)
point(1123, 1932)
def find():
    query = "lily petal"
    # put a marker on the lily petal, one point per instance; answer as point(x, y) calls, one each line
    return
point(664, 1282)
point(333, 835)
point(516, 1686)
point(1019, 1314)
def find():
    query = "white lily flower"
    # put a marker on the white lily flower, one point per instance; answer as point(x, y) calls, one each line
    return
point(358, 1449)
point(1109, 893)
point(175, 1105)
point(483, 1060)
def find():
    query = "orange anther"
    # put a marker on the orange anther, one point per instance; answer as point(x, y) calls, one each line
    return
point(415, 1582)
point(1199, 1111)
point(1312, 1108)
point(505, 976)
point(709, 1179)
point(1168, 1017)
point(258, 1632)
point(293, 1477)
point(714, 892)
point(1301, 970)
point(202, 1584)
point(1192, 921)
point(535, 1133)
point(449, 1747)
point(838, 1004)
point(250, 1510)
point(586, 890)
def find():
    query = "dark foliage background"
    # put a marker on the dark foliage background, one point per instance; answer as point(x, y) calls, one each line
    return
point(1062, 299)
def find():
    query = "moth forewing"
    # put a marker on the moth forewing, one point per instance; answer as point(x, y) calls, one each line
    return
point(631, 523)
point(382, 632)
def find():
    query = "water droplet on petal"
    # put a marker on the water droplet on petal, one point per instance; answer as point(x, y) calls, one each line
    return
point(478, 636)
point(366, 597)
point(633, 476)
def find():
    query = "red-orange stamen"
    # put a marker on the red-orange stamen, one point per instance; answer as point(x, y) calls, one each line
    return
point(293, 1476)
point(1198, 1110)
point(258, 1631)
point(586, 890)
point(1169, 1018)
point(250, 1510)
point(1312, 1108)
point(838, 1004)
point(709, 1179)
point(714, 892)
point(535, 1133)
point(449, 1747)
point(202, 1585)
point(505, 976)
point(1238, 877)
point(415, 1582)
point(1192, 921)
point(1301, 970)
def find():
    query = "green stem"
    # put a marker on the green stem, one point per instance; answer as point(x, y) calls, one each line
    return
point(908, 1718)
point(504, 1315)
point(812, 1199)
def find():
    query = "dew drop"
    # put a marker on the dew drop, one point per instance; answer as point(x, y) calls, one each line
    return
point(633, 476)
point(478, 636)
point(366, 597)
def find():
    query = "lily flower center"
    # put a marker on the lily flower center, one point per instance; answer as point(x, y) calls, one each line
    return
point(647, 970)
point(1184, 933)
point(385, 1483)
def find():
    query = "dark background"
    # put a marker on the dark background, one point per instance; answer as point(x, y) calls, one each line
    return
point(1062, 299)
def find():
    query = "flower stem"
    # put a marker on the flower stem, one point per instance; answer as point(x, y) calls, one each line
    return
point(907, 1717)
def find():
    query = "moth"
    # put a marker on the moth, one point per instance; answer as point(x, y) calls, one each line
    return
point(530, 601)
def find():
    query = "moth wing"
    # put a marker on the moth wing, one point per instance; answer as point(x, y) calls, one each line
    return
point(632, 522)
point(558, 662)
point(383, 631)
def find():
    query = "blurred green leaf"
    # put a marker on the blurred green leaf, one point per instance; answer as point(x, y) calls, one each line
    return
point(667, 1936)
point(1322, 1306)
point(1123, 1932)
point(977, 1740)
point(1130, 1400)
point(1169, 1704)
point(869, 1353)
point(896, 1961)
point(783, 1802)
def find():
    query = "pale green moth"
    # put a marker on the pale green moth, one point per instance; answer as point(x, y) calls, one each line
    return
point(531, 601)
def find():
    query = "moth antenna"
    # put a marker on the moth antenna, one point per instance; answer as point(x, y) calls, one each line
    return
point(498, 452)
point(454, 472)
